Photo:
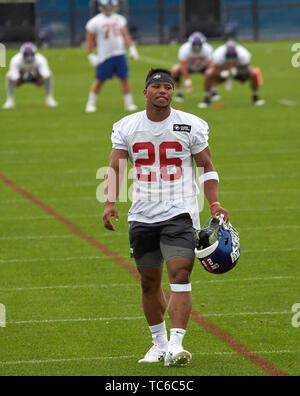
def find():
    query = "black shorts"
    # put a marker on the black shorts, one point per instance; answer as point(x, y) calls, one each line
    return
point(152, 244)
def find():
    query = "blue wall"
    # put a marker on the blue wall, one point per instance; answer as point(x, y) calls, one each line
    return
point(277, 19)
point(149, 23)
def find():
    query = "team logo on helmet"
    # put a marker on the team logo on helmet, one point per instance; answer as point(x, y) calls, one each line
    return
point(218, 246)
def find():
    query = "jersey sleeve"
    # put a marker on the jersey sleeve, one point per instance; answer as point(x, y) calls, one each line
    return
point(183, 53)
point(118, 139)
point(218, 56)
point(91, 26)
point(14, 68)
point(199, 137)
point(43, 66)
point(122, 21)
point(244, 56)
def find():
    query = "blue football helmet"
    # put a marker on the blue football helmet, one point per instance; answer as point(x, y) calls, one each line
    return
point(28, 50)
point(218, 246)
point(197, 40)
point(106, 5)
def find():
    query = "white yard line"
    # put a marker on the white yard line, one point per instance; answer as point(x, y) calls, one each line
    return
point(108, 285)
point(127, 357)
point(288, 102)
point(108, 319)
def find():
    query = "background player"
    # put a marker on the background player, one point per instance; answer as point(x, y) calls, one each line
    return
point(194, 57)
point(109, 31)
point(162, 143)
point(232, 61)
point(28, 66)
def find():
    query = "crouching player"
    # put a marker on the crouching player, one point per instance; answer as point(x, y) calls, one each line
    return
point(28, 66)
point(231, 62)
point(194, 57)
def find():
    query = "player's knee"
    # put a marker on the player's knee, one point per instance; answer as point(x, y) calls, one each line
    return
point(149, 284)
point(179, 276)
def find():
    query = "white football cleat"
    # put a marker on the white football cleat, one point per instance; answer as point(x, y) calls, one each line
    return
point(203, 105)
point(51, 102)
point(90, 108)
point(9, 104)
point(216, 98)
point(154, 355)
point(177, 356)
point(178, 99)
point(259, 102)
point(131, 107)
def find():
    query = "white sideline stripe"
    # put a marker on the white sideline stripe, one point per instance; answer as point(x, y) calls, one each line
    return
point(29, 237)
point(37, 260)
point(95, 216)
point(25, 322)
point(247, 314)
point(91, 286)
point(41, 288)
point(287, 102)
point(92, 198)
point(255, 279)
point(99, 358)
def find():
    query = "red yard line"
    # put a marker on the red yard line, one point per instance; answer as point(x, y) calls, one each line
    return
point(238, 347)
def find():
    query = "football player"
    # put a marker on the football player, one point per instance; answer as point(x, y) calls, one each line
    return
point(194, 57)
point(162, 144)
point(110, 33)
point(28, 66)
point(232, 62)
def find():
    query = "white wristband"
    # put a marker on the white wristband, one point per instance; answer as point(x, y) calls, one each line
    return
point(208, 176)
point(188, 82)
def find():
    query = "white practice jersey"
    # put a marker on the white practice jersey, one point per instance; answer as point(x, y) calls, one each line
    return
point(109, 38)
point(18, 67)
point(243, 56)
point(162, 158)
point(197, 61)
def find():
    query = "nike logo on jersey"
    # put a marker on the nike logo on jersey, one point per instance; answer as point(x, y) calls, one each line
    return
point(182, 128)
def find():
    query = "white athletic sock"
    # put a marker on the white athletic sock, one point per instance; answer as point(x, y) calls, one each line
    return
point(10, 87)
point(128, 100)
point(93, 97)
point(177, 336)
point(159, 335)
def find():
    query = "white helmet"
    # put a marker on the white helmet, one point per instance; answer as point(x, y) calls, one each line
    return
point(106, 5)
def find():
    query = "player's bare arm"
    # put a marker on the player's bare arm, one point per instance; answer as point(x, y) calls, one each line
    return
point(211, 189)
point(127, 37)
point(113, 182)
point(90, 42)
point(184, 65)
point(133, 52)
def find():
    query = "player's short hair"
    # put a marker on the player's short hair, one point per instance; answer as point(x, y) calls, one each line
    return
point(159, 75)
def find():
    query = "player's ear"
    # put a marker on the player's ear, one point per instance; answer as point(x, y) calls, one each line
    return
point(145, 92)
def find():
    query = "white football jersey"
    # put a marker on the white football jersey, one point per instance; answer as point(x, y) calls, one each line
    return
point(163, 169)
point(18, 66)
point(243, 56)
point(197, 61)
point(109, 38)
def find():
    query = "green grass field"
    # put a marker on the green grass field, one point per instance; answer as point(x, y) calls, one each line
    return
point(71, 309)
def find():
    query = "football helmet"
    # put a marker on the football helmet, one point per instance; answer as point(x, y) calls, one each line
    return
point(231, 51)
point(28, 50)
point(218, 246)
point(197, 40)
point(106, 5)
